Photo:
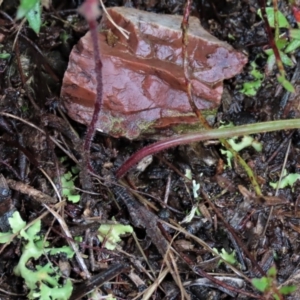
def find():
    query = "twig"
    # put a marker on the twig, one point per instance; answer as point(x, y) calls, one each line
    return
point(123, 31)
point(71, 242)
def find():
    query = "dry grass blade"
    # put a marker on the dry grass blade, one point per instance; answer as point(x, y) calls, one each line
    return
point(278, 184)
point(123, 31)
point(143, 253)
point(52, 183)
point(70, 241)
point(152, 288)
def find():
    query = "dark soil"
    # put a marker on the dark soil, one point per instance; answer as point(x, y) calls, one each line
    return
point(262, 231)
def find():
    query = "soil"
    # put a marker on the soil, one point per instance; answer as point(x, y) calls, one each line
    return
point(167, 257)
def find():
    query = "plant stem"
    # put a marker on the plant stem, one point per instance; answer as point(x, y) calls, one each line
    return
point(197, 112)
point(206, 135)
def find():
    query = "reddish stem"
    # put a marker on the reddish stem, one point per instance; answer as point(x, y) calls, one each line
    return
point(206, 135)
point(271, 37)
point(99, 89)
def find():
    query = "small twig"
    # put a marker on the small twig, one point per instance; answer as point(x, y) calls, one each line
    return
point(278, 184)
point(123, 31)
point(282, 144)
point(167, 191)
point(71, 242)
point(89, 9)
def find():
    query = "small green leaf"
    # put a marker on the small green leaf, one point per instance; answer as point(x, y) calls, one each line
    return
point(16, 223)
point(285, 59)
point(292, 46)
point(4, 55)
point(272, 272)
point(281, 43)
point(5, 237)
point(294, 34)
point(251, 88)
point(190, 216)
point(34, 17)
point(25, 6)
point(285, 83)
point(68, 188)
point(261, 284)
point(276, 297)
point(285, 290)
point(188, 174)
point(288, 180)
point(111, 233)
point(65, 249)
point(282, 21)
point(228, 257)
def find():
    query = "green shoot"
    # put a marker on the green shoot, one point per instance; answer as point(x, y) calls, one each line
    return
point(111, 234)
point(251, 88)
point(43, 281)
point(31, 10)
point(283, 45)
point(68, 188)
point(268, 286)
point(226, 257)
point(288, 180)
point(245, 142)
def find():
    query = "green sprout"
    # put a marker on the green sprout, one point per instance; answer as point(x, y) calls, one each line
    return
point(284, 45)
point(251, 88)
point(5, 55)
point(111, 234)
point(268, 286)
point(226, 257)
point(194, 210)
point(288, 180)
point(43, 281)
point(31, 10)
point(68, 188)
point(245, 142)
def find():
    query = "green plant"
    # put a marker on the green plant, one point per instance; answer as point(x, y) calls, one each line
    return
point(111, 234)
point(31, 10)
point(268, 286)
point(226, 257)
point(68, 188)
point(250, 88)
point(238, 145)
point(287, 180)
point(43, 281)
point(285, 45)
point(206, 135)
